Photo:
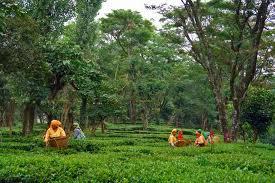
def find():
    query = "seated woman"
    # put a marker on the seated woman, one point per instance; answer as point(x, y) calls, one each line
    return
point(54, 131)
point(172, 138)
point(180, 135)
point(78, 133)
point(200, 140)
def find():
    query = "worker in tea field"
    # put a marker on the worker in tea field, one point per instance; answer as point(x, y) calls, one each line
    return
point(54, 131)
point(205, 134)
point(210, 137)
point(172, 138)
point(78, 133)
point(180, 135)
point(200, 140)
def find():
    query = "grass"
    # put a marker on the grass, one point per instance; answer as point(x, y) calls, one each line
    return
point(129, 154)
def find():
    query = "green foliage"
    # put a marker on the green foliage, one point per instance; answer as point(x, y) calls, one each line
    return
point(50, 15)
point(85, 34)
point(63, 56)
point(8, 8)
point(105, 104)
point(83, 146)
point(54, 53)
point(132, 157)
point(127, 27)
point(258, 109)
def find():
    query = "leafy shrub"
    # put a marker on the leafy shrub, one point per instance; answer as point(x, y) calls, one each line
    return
point(83, 146)
point(137, 158)
point(257, 110)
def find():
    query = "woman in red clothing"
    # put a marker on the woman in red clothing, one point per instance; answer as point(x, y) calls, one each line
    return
point(180, 135)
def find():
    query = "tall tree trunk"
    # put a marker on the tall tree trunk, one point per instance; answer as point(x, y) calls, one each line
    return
point(255, 135)
point(1, 118)
point(132, 108)
point(9, 115)
point(25, 120)
point(235, 120)
point(243, 71)
point(31, 118)
point(177, 121)
point(223, 120)
point(83, 112)
point(132, 102)
point(103, 125)
point(28, 118)
point(204, 120)
point(70, 120)
point(145, 118)
point(216, 84)
point(67, 114)
point(65, 119)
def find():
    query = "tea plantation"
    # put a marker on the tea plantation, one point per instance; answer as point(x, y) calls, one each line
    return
point(128, 154)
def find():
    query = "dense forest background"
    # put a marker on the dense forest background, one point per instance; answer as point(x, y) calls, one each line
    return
point(210, 66)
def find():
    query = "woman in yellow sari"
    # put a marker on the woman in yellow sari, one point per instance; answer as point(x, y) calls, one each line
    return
point(54, 131)
point(172, 138)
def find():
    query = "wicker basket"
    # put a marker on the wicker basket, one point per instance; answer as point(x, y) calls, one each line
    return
point(60, 142)
point(182, 143)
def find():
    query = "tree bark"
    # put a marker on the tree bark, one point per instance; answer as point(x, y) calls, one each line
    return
point(1, 118)
point(235, 120)
point(145, 118)
point(31, 118)
point(222, 120)
point(216, 85)
point(221, 107)
point(67, 114)
point(243, 74)
point(204, 120)
point(103, 126)
point(132, 108)
point(66, 118)
point(255, 135)
point(28, 118)
point(9, 115)
point(132, 76)
point(71, 121)
point(243, 133)
point(83, 112)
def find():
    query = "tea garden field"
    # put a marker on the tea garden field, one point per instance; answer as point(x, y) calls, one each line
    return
point(125, 153)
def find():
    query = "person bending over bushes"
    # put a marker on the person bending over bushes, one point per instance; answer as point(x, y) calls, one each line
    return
point(200, 140)
point(78, 133)
point(172, 138)
point(54, 131)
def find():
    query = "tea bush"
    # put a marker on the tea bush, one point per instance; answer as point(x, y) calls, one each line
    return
point(133, 157)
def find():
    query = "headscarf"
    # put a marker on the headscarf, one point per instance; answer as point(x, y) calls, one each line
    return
point(55, 124)
point(174, 131)
point(78, 133)
point(76, 125)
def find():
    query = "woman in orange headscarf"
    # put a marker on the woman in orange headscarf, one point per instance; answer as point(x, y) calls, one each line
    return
point(54, 131)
